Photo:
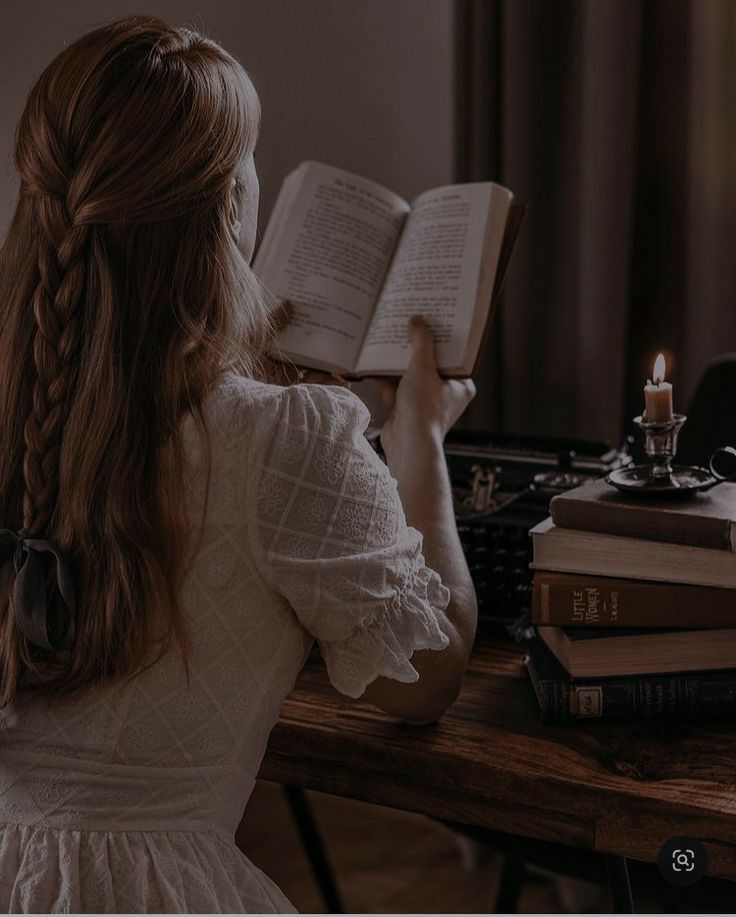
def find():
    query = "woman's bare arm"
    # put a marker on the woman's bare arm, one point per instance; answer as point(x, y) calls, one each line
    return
point(425, 493)
point(424, 407)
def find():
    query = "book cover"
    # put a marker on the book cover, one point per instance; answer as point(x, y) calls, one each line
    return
point(706, 520)
point(689, 696)
point(599, 651)
point(562, 550)
point(573, 599)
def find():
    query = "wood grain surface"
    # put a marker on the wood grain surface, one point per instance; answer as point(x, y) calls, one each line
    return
point(623, 787)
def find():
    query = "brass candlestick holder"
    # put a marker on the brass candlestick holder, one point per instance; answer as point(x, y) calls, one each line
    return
point(660, 477)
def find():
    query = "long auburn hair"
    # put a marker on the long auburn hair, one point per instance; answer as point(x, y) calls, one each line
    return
point(123, 298)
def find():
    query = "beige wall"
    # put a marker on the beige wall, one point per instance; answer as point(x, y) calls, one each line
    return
point(362, 84)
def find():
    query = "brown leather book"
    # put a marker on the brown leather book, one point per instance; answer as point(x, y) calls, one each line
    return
point(572, 600)
point(598, 554)
point(592, 653)
point(704, 520)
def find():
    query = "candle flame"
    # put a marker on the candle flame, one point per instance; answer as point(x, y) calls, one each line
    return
point(658, 374)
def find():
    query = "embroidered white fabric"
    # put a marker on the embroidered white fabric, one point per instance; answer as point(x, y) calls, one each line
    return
point(128, 802)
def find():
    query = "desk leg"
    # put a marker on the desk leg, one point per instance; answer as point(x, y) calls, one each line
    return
point(314, 848)
point(618, 884)
point(511, 885)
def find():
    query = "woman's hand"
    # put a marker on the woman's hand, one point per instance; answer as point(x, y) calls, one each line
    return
point(279, 372)
point(423, 405)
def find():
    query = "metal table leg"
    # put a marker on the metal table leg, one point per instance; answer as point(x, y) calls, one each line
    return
point(511, 885)
point(314, 848)
point(618, 884)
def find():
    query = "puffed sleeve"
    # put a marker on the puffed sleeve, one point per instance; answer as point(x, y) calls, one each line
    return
point(331, 537)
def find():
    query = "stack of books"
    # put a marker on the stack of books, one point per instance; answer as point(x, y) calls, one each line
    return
point(634, 606)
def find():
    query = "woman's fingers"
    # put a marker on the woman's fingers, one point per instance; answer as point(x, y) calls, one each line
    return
point(321, 378)
point(422, 342)
point(281, 373)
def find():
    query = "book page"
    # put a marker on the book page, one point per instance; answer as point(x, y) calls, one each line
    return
point(269, 246)
point(329, 256)
point(435, 273)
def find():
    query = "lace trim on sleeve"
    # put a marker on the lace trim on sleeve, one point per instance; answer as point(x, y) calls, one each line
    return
point(385, 640)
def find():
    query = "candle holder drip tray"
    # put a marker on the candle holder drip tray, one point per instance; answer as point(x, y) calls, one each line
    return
point(660, 477)
point(680, 481)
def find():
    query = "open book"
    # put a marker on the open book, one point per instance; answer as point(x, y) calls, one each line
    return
point(356, 261)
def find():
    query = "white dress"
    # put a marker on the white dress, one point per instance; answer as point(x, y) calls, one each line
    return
point(129, 801)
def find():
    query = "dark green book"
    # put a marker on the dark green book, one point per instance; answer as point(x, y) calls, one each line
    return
point(701, 695)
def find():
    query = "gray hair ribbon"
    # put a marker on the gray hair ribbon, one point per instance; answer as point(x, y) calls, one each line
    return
point(29, 597)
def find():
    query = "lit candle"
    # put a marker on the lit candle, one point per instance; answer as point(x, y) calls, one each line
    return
point(658, 395)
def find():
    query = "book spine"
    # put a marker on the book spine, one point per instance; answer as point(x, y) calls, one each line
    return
point(592, 601)
point(682, 697)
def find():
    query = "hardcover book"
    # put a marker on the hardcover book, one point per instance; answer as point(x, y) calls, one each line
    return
point(566, 550)
point(570, 599)
point(599, 651)
point(682, 696)
point(356, 261)
point(706, 520)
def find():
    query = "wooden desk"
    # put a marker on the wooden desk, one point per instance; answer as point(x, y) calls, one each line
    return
point(622, 788)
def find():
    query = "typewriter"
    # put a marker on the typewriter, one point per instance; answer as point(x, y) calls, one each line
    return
point(502, 486)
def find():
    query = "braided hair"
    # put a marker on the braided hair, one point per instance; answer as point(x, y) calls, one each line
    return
point(122, 299)
point(57, 304)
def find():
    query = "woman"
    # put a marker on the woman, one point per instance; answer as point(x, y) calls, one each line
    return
point(153, 486)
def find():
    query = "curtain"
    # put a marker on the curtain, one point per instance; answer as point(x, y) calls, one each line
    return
point(615, 122)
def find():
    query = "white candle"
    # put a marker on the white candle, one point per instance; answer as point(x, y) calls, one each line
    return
point(658, 395)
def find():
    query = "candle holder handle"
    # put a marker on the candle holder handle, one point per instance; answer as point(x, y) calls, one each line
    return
point(725, 457)
point(660, 445)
